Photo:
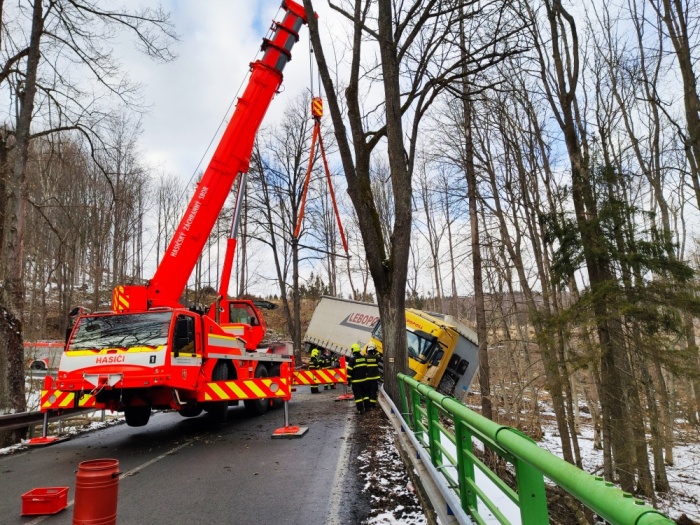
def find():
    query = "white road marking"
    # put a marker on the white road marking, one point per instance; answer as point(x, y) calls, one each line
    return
point(123, 475)
point(340, 480)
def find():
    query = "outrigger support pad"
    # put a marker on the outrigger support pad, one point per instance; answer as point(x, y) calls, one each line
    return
point(45, 440)
point(288, 431)
point(347, 396)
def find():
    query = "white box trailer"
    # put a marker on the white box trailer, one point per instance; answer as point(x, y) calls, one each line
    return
point(339, 323)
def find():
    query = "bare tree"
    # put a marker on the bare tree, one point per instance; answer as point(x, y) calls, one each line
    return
point(79, 32)
point(418, 59)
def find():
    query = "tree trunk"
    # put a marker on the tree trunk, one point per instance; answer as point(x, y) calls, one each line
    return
point(673, 15)
point(12, 297)
point(695, 352)
point(595, 255)
point(387, 258)
point(657, 441)
point(481, 330)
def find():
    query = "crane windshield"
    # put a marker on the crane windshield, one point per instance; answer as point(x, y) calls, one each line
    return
point(124, 331)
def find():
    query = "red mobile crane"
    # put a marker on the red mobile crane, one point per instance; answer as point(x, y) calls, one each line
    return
point(152, 352)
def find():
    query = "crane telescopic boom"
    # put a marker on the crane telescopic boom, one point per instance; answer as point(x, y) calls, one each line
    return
point(232, 157)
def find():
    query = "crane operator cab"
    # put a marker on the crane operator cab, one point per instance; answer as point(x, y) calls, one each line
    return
point(241, 318)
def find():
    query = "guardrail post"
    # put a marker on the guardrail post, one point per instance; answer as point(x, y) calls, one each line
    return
point(404, 403)
point(465, 465)
point(45, 425)
point(433, 432)
point(532, 497)
point(416, 418)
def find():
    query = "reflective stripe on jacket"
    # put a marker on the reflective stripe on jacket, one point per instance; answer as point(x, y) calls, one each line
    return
point(357, 368)
point(373, 368)
point(314, 364)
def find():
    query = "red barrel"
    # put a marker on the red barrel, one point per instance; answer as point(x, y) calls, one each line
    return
point(96, 487)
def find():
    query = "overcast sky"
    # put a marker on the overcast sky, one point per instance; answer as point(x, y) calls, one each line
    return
point(190, 96)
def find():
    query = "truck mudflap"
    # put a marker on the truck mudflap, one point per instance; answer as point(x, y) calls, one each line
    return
point(246, 389)
point(321, 376)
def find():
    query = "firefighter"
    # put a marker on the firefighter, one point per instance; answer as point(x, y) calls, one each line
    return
point(333, 363)
point(314, 364)
point(357, 372)
point(372, 381)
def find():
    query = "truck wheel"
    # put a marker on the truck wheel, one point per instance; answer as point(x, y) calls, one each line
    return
point(190, 410)
point(275, 372)
point(137, 416)
point(218, 410)
point(257, 407)
point(38, 365)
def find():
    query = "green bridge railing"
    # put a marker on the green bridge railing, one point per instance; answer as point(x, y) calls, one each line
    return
point(452, 455)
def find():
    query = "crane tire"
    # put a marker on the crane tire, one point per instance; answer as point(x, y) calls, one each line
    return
point(257, 407)
point(190, 410)
point(218, 410)
point(137, 416)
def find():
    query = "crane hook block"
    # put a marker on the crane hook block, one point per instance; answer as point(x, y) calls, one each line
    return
point(317, 107)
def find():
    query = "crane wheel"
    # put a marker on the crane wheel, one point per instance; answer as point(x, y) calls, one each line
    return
point(257, 407)
point(137, 416)
point(190, 410)
point(38, 365)
point(218, 410)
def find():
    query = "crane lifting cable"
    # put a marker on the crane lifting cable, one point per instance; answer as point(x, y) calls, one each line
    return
point(317, 113)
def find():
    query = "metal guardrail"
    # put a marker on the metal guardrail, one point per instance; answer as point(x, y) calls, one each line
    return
point(451, 453)
point(29, 419)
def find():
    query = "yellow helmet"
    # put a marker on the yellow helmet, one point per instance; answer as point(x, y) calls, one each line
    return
point(355, 348)
point(314, 352)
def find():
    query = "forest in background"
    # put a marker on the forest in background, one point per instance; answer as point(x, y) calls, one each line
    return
point(552, 150)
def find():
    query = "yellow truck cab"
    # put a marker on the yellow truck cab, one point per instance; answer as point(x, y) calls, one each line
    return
point(442, 352)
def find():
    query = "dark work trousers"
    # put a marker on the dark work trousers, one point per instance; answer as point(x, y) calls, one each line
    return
point(359, 390)
point(371, 387)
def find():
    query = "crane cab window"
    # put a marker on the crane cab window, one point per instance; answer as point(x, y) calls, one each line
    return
point(184, 341)
point(242, 315)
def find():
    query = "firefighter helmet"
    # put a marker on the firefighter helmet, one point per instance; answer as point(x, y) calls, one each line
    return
point(314, 352)
point(355, 348)
point(371, 348)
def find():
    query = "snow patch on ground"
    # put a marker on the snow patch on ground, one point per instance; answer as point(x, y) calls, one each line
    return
point(683, 475)
point(392, 498)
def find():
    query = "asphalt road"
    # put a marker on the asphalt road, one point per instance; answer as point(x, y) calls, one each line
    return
point(177, 470)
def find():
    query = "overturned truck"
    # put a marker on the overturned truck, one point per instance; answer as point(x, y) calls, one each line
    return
point(442, 351)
